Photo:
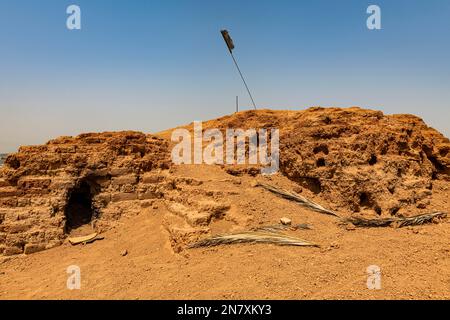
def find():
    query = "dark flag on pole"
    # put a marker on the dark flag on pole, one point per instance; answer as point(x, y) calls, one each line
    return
point(230, 46)
point(228, 40)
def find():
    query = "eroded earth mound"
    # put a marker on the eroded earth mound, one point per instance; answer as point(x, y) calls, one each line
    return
point(357, 160)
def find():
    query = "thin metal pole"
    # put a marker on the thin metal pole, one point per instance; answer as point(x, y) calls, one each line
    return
point(237, 103)
point(245, 83)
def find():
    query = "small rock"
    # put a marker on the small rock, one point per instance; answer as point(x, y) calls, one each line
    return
point(285, 221)
point(423, 204)
point(237, 181)
point(124, 253)
point(254, 183)
point(350, 226)
point(334, 245)
point(298, 189)
point(146, 203)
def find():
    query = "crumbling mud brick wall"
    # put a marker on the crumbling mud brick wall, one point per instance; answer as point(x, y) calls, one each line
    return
point(43, 188)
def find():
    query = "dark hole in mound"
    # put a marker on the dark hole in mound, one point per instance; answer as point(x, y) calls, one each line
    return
point(364, 200)
point(394, 211)
point(13, 162)
point(402, 146)
point(321, 148)
point(439, 166)
point(312, 184)
point(391, 189)
point(378, 210)
point(79, 210)
point(443, 152)
point(373, 160)
point(321, 162)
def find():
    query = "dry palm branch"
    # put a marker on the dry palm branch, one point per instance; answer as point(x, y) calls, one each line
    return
point(280, 227)
point(297, 198)
point(397, 222)
point(357, 221)
point(252, 237)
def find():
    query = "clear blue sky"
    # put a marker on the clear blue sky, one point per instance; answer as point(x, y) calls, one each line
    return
point(151, 65)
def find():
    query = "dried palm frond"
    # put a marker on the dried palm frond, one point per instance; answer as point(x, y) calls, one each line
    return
point(278, 227)
point(252, 237)
point(397, 222)
point(297, 198)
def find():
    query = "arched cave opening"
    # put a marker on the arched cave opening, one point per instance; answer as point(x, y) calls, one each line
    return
point(79, 209)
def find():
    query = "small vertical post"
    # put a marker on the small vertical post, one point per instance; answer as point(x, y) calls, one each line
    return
point(237, 103)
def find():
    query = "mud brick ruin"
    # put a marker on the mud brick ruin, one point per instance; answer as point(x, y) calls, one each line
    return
point(354, 160)
point(45, 191)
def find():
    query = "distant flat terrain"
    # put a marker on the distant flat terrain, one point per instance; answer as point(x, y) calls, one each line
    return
point(3, 158)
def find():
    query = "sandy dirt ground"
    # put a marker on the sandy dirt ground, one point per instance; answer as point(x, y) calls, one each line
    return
point(414, 261)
